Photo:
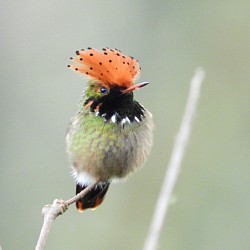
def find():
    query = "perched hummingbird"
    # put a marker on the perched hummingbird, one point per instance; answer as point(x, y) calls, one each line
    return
point(111, 135)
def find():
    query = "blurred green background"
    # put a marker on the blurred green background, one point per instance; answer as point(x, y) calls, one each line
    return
point(39, 95)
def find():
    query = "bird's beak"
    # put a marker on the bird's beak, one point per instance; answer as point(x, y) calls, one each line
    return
point(135, 86)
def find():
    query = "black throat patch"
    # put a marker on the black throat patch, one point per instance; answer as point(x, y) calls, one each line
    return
point(117, 107)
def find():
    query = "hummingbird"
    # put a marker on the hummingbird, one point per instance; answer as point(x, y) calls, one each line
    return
point(111, 135)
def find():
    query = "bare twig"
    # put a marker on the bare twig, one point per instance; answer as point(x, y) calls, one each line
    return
point(50, 212)
point(175, 163)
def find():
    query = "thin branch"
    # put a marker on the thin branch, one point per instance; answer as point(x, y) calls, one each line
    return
point(50, 212)
point(175, 163)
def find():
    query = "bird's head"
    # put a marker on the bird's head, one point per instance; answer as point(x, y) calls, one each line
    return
point(112, 79)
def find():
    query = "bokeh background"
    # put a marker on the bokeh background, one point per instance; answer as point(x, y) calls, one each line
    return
point(38, 95)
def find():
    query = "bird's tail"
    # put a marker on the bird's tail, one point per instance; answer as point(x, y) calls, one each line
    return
point(93, 198)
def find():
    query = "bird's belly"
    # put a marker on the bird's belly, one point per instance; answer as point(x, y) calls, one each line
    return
point(111, 151)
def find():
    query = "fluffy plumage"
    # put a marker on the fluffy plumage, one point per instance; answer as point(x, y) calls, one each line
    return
point(110, 137)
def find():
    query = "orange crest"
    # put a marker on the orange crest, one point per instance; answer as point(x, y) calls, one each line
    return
point(108, 66)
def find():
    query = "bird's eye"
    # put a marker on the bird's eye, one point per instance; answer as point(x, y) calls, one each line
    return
point(103, 90)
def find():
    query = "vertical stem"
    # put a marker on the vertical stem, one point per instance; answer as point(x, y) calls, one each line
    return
point(175, 163)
